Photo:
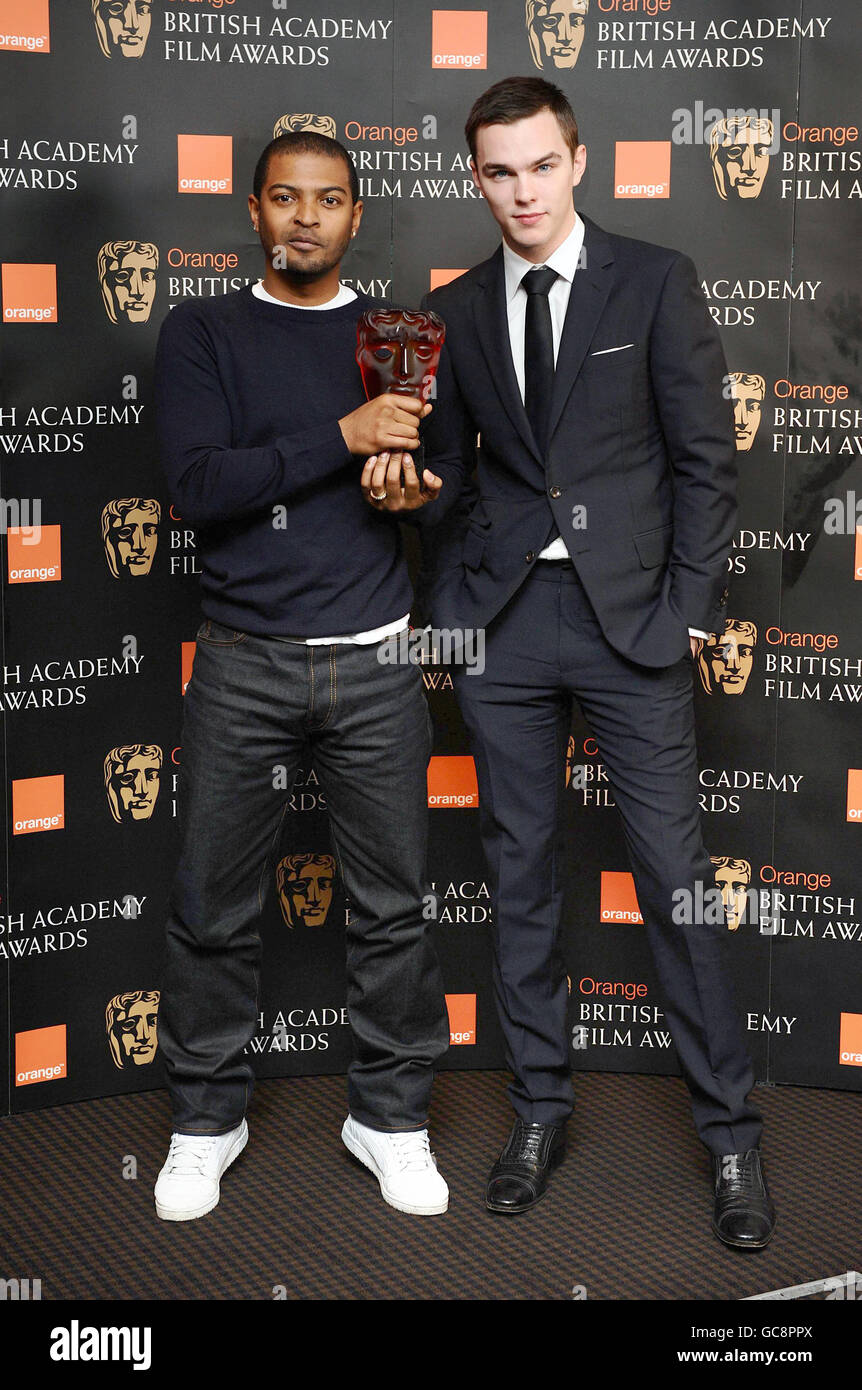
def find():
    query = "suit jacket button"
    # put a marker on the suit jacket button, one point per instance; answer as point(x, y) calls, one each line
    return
point(556, 492)
point(530, 556)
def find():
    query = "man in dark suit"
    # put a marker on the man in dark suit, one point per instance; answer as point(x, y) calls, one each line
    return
point(593, 552)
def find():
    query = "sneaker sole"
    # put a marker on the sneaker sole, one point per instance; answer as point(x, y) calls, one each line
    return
point(192, 1213)
point(366, 1159)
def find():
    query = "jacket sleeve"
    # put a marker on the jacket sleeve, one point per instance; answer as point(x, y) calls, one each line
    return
point(688, 377)
point(209, 480)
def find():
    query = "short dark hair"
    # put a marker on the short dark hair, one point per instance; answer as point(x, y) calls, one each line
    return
point(514, 99)
point(305, 142)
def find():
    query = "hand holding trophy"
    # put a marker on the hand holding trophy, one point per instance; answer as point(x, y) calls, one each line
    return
point(397, 352)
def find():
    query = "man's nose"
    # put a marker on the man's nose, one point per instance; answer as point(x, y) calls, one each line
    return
point(306, 213)
point(137, 541)
point(748, 162)
point(131, 19)
point(731, 659)
point(136, 285)
point(524, 189)
point(739, 413)
point(403, 360)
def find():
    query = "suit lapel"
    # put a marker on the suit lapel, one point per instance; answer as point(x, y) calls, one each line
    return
point(492, 330)
point(590, 289)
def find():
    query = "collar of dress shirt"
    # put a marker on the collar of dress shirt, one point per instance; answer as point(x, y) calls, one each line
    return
point(564, 260)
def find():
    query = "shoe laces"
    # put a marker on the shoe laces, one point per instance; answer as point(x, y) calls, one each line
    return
point(413, 1150)
point(528, 1139)
point(739, 1172)
point(189, 1153)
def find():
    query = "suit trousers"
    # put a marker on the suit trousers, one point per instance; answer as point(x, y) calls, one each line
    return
point(545, 649)
point(252, 706)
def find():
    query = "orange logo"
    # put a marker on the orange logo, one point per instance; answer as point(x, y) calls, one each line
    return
point(38, 804)
point(187, 661)
point(24, 25)
point(857, 571)
point(29, 293)
point(619, 900)
point(39, 561)
point(459, 39)
point(462, 1019)
point(452, 782)
point(850, 1048)
point(40, 1055)
point(642, 169)
point(205, 163)
point(854, 793)
point(444, 277)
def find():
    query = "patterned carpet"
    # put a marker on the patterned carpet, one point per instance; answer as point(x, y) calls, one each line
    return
point(626, 1217)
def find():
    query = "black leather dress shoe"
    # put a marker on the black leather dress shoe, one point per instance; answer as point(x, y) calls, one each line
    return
point(744, 1216)
point(520, 1175)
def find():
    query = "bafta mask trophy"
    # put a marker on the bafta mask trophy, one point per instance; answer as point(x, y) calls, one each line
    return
point(398, 351)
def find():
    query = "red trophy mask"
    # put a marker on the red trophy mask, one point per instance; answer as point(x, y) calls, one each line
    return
point(398, 351)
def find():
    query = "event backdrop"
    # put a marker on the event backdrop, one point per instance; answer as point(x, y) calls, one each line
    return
point(727, 128)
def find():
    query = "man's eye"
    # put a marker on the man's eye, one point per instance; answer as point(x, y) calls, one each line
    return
point(124, 533)
point(734, 152)
point(382, 354)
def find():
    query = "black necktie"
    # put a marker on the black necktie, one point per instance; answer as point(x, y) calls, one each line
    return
point(538, 352)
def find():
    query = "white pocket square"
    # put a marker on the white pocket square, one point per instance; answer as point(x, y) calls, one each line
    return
point(602, 351)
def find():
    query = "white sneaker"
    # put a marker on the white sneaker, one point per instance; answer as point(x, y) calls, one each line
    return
point(188, 1185)
point(403, 1164)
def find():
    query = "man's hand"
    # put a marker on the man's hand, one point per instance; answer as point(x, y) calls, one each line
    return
point(385, 423)
point(381, 483)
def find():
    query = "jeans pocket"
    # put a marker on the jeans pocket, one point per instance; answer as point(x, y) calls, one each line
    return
point(217, 635)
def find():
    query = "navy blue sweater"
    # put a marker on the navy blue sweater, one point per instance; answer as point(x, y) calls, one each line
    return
point(248, 399)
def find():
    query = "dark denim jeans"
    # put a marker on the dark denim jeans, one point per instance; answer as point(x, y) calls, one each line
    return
point(253, 703)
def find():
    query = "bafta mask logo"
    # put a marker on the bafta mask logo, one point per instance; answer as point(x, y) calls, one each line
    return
point(305, 888)
point(739, 148)
point(297, 120)
point(122, 26)
point(130, 534)
point(733, 877)
point(748, 392)
point(725, 660)
point(132, 778)
point(398, 351)
point(130, 1020)
point(555, 29)
point(127, 275)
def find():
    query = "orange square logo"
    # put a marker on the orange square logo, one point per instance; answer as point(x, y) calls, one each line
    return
point(29, 293)
point(850, 1047)
point(40, 1055)
point(38, 804)
point(187, 661)
point(205, 163)
point(857, 562)
point(24, 26)
point(33, 556)
point(619, 901)
point(459, 39)
point(854, 794)
point(452, 783)
point(642, 169)
point(445, 277)
point(462, 1019)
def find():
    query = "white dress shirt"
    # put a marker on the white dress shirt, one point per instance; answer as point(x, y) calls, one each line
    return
point(564, 261)
point(344, 296)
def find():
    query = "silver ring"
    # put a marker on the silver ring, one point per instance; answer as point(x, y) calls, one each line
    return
point(378, 497)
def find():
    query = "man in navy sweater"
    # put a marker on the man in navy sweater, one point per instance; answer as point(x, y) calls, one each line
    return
point(263, 427)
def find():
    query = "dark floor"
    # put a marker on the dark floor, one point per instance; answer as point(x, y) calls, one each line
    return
point(626, 1217)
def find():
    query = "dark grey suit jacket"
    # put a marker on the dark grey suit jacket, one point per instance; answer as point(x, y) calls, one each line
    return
point(640, 475)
